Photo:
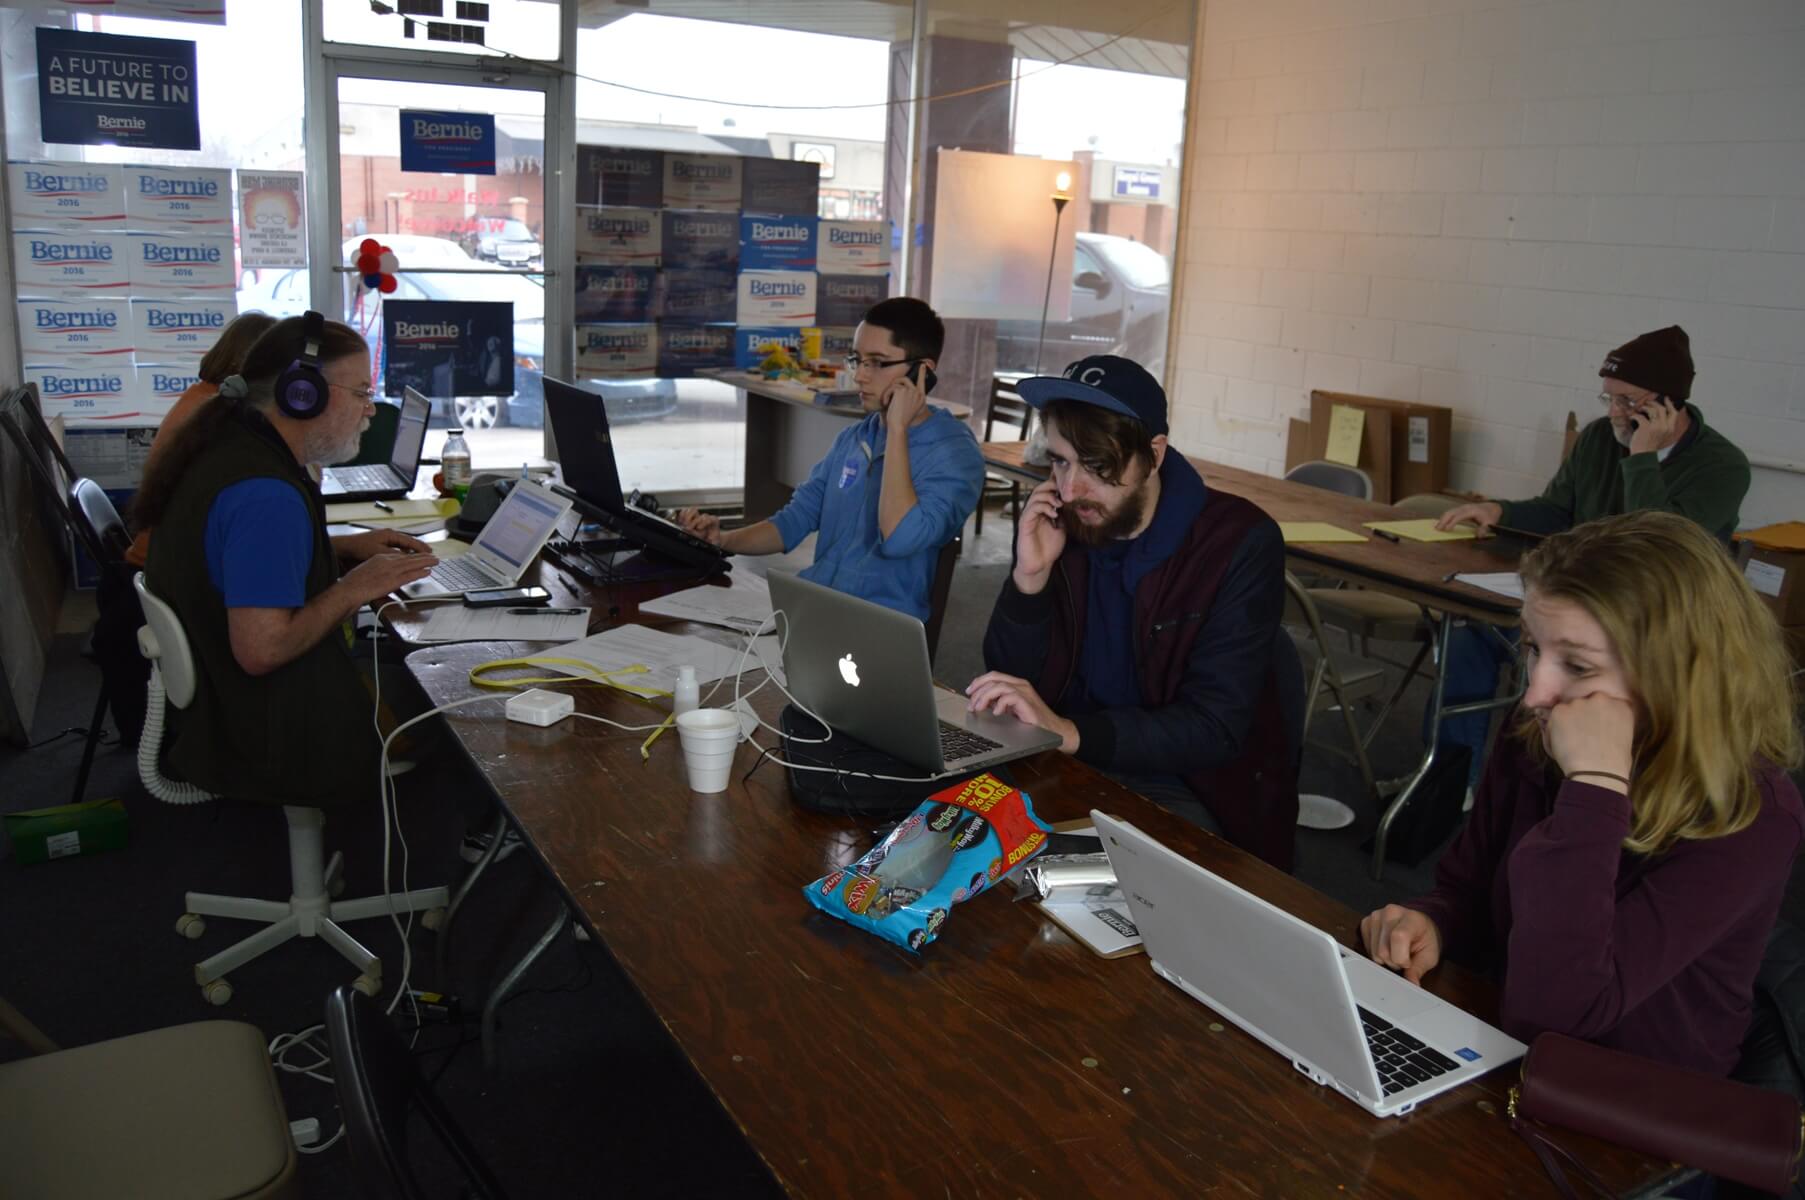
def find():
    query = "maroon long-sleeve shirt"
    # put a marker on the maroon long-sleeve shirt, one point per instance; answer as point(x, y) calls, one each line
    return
point(1652, 955)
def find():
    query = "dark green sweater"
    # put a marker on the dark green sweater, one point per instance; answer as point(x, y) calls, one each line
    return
point(301, 734)
point(1705, 478)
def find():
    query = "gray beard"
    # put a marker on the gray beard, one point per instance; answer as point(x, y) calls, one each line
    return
point(328, 454)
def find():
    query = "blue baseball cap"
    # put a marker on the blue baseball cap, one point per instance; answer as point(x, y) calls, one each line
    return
point(1107, 381)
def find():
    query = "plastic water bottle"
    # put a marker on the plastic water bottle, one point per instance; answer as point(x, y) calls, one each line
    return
point(454, 463)
point(687, 696)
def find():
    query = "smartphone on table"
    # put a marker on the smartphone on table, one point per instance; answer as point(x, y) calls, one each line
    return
point(505, 597)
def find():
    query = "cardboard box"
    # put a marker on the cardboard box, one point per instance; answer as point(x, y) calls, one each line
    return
point(1778, 576)
point(67, 830)
point(1421, 435)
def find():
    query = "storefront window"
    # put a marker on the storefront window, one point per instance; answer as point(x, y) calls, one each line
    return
point(527, 28)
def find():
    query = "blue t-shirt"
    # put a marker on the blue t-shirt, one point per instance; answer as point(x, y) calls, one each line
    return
point(260, 544)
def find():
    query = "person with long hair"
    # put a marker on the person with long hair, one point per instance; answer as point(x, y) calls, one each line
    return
point(1632, 838)
point(222, 360)
point(242, 554)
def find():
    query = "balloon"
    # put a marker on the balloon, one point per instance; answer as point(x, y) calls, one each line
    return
point(369, 246)
point(368, 264)
point(372, 280)
point(388, 284)
point(388, 263)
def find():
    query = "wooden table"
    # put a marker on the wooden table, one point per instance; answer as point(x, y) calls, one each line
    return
point(1420, 572)
point(787, 433)
point(1005, 1059)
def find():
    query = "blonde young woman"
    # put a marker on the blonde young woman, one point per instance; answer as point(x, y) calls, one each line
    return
point(1630, 842)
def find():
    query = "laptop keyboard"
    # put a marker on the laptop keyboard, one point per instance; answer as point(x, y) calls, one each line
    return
point(459, 575)
point(957, 743)
point(1403, 1061)
point(363, 479)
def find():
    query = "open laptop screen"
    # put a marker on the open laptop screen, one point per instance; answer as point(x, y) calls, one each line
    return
point(585, 448)
point(520, 526)
point(410, 435)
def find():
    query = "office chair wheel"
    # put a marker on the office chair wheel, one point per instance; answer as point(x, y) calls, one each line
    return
point(432, 918)
point(217, 993)
point(190, 925)
point(369, 985)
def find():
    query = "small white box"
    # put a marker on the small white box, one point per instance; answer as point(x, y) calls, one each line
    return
point(536, 706)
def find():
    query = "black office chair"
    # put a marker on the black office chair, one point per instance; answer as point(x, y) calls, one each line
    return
point(1009, 408)
point(124, 673)
point(379, 1089)
point(943, 584)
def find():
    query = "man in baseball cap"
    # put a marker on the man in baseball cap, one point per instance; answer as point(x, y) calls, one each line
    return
point(1651, 449)
point(1140, 621)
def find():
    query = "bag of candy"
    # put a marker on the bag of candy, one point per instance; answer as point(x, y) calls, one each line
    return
point(955, 844)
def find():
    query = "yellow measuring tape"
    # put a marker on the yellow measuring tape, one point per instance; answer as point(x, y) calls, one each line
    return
point(578, 671)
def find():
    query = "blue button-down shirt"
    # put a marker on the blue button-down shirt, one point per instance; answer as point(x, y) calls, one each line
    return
point(840, 499)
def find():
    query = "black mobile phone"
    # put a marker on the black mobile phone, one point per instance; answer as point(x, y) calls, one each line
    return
point(500, 597)
point(923, 377)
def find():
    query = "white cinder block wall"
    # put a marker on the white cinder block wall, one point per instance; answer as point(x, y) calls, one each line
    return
point(1469, 203)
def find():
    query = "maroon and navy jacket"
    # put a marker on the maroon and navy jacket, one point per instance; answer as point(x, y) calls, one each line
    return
point(1212, 709)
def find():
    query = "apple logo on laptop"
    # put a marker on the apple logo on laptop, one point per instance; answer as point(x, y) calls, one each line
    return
point(849, 670)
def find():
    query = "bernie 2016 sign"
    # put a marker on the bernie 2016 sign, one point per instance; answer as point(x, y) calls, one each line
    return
point(462, 143)
point(102, 89)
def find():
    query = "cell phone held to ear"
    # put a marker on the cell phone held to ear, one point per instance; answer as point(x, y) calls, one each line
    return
point(923, 377)
point(506, 597)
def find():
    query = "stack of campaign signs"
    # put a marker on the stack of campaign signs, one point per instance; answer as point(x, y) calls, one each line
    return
point(125, 279)
point(688, 262)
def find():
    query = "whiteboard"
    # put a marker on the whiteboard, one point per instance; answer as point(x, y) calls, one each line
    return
point(993, 228)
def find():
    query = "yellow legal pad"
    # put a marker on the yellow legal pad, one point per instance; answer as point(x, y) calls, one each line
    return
point(1423, 530)
point(398, 511)
point(1318, 531)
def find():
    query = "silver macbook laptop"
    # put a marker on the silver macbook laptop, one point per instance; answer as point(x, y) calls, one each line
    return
point(504, 549)
point(863, 669)
point(395, 478)
point(1341, 1018)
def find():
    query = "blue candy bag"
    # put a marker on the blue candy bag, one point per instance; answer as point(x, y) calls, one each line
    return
point(955, 844)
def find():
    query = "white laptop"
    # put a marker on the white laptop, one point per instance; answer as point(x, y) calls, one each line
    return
point(1341, 1018)
point(504, 549)
point(863, 669)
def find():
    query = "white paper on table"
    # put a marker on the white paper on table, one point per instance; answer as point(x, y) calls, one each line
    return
point(743, 605)
point(659, 652)
point(459, 623)
point(1102, 922)
point(1505, 583)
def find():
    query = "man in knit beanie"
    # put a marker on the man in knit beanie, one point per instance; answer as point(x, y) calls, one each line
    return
point(1650, 450)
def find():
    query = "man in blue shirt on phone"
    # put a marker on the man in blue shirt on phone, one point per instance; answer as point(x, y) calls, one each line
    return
point(894, 488)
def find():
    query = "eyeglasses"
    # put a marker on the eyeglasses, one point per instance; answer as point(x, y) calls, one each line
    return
point(854, 363)
point(364, 394)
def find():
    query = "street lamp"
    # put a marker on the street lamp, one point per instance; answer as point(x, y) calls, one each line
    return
point(1062, 184)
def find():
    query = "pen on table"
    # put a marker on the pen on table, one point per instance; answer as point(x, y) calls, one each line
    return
point(385, 508)
point(545, 612)
point(1388, 535)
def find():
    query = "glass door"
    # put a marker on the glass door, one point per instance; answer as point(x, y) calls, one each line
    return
point(463, 319)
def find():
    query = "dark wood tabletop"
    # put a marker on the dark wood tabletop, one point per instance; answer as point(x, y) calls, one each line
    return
point(1418, 571)
point(1005, 1059)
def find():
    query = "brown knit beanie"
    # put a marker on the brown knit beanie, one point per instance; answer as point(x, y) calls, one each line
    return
point(1660, 361)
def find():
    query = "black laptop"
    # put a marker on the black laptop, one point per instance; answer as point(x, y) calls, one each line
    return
point(592, 479)
point(394, 478)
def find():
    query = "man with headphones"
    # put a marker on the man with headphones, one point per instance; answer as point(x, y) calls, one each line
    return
point(893, 489)
point(243, 556)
